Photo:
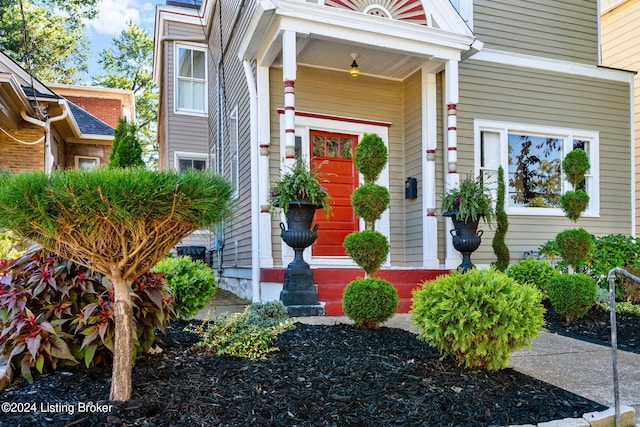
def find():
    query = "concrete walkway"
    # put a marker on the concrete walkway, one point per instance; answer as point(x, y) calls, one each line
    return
point(574, 365)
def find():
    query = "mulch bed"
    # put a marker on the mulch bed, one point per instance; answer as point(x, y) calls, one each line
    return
point(322, 376)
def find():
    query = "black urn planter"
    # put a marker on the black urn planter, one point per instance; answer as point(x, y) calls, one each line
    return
point(466, 238)
point(299, 293)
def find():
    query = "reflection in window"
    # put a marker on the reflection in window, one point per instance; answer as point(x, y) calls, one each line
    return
point(186, 164)
point(335, 146)
point(534, 171)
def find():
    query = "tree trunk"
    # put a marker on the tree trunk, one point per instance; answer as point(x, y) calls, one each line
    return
point(123, 345)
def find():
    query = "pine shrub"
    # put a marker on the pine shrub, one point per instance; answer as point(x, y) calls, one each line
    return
point(192, 283)
point(572, 295)
point(532, 271)
point(370, 302)
point(479, 317)
point(500, 248)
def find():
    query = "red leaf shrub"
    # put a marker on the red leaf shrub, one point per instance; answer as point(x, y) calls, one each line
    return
point(56, 313)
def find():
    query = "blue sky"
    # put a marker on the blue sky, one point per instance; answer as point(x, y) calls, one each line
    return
point(112, 20)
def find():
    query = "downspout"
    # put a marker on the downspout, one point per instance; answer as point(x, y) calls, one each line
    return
point(46, 125)
point(255, 196)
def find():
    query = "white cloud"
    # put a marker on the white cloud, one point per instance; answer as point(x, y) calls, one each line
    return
point(114, 15)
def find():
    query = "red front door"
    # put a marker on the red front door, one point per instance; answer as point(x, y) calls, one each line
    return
point(336, 151)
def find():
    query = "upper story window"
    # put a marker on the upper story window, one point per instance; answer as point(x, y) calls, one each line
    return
point(191, 80)
point(185, 161)
point(531, 157)
point(465, 9)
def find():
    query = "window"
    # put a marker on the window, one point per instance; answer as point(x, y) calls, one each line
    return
point(191, 79)
point(86, 162)
point(186, 161)
point(531, 157)
point(233, 150)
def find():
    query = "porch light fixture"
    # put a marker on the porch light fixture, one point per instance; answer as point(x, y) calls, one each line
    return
point(354, 71)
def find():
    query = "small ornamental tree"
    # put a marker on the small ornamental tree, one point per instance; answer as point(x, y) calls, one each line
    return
point(369, 302)
point(500, 248)
point(117, 222)
point(574, 166)
point(126, 150)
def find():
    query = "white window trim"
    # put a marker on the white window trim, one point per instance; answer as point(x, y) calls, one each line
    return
point(79, 158)
point(568, 134)
point(176, 66)
point(177, 155)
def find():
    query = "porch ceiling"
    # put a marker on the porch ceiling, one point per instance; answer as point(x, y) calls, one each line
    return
point(327, 36)
point(333, 55)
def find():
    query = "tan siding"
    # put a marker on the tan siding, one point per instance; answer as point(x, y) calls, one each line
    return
point(620, 36)
point(560, 29)
point(570, 102)
point(414, 157)
point(335, 93)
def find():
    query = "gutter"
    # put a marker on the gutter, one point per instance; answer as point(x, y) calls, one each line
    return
point(46, 125)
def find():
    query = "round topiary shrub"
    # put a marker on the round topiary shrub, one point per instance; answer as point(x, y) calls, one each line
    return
point(572, 295)
point(192, 283)
point(479, 317)
point(575, 165)
point(370, 302)
point(369, 201)
point(368, 249)
point(370, 157)
point(574, 245)
point(573, 203)
point(531, 271)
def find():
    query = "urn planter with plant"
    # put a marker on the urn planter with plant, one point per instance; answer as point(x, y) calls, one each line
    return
point(466, 205)
point(369, 301)
point(299, 193)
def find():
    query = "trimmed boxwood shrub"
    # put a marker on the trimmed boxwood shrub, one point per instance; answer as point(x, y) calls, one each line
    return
point(371, 157)
point(574, 245)
point(479, 317)
point(572, 295)
point(368, 249)
point(370, 302)
point(531, 271)
point(369, 201)
point(192, 283)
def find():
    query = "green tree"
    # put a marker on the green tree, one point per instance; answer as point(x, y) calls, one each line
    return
point(118, 222)
point(126, 150)
point(55, 49)
point(129, 66)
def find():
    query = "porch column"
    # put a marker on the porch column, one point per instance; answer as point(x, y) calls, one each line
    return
point(264, 141)
point(452, 179)
point(429, 142)
point(289, 67)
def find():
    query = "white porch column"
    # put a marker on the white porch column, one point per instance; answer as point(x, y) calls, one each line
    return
point(452, 179)
point(429, 142)
point(264, 141)
point(289, 67)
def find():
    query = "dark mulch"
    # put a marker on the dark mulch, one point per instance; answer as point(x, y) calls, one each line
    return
point(322, 376)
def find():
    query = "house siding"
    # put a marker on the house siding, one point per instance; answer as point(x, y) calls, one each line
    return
point(558, 29)
point(339, 94)
point(184, 132)
point(512, 94)
point(237, 251)
point(620, 36)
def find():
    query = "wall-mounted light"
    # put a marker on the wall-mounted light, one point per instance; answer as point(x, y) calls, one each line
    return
point(354, 71)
